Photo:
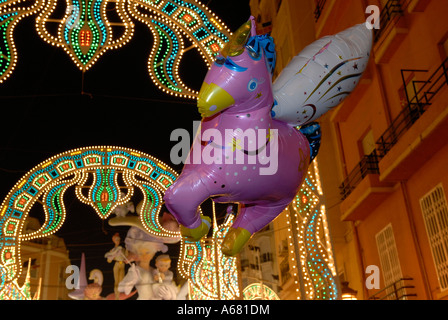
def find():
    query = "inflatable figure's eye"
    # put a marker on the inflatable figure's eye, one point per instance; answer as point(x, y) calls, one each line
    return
point(254, 54)
point(252, 85)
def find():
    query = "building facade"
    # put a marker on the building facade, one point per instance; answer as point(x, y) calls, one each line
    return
point(258, 262)
point(384, 150)
point(49, 260)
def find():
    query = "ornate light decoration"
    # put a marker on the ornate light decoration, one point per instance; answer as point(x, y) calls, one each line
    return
point(13, 291)
point(105, 177)
point(313, 265)
point(88, 28)
point(212, 275)
point(100, 175)
point(257, 291)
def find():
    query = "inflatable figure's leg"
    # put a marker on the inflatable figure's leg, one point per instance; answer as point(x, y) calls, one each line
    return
point(250, 219)
point(183, 199)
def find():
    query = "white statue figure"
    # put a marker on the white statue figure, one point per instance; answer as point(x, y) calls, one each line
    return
point(123, 209)
point(143, 246)
point(93, 290)
point(117, 254)
point(164, 287)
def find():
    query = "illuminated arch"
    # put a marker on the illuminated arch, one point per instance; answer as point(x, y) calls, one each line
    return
point(211, 274)
point(86, 30)
point(257, 291)
point(100, 175)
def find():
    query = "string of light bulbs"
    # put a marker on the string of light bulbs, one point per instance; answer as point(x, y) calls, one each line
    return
point(85, 31)
point(314, 262)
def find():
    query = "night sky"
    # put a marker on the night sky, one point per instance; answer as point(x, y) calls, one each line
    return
point(44, 112)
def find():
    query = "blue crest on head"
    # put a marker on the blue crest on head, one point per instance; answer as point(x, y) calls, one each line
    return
point(312, 132)
point(263, 42)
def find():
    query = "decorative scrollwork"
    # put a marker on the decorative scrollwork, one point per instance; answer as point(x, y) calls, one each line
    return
point(112, 173)
point(87, 29)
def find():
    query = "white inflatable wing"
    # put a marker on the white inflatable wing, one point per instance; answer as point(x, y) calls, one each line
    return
point(321, 76)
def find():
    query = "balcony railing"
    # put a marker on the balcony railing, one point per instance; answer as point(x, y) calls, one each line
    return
point(391, 10)
point(396, 291)
point(421, 99)
point(422, 96)
point(320, 4)
point(368, 165)
point(405, 119)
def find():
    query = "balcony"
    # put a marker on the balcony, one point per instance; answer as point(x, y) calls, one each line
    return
point(390, 12)
point(399, 290)
point(368, 165)
point(362, 190)
point(420, 129)
point(393, 29)
point(320, 4)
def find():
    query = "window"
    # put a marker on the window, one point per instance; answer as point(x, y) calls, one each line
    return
point(368, 143)
point(390, 264)
point(435, 214)
point(443, 47)
point(411, 88)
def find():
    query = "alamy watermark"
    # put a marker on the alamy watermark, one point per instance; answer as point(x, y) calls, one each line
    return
point(72, 281)
point(373, 280)
point(373, 21)
point(73, 18)
point(238, 146)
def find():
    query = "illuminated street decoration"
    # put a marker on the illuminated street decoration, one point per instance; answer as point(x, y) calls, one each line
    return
point(84, 31)
point(105, 177)
point(257, 291)
point(88, 28)
point(212, 275)
point(313, 266)
point(11, 12)
point(99, 175)
point(13, 291)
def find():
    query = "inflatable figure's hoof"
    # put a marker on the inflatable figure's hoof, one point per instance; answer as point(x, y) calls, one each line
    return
point(197, 233)
point(235, 241)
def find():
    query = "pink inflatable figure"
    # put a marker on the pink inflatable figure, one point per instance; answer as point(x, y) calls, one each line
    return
point(237, 94)
point(242, 154)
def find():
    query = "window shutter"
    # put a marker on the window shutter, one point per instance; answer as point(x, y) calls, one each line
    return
point(435, 214)
point(388, 253)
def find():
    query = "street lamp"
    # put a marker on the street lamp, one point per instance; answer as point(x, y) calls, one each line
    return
point(347, 292)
